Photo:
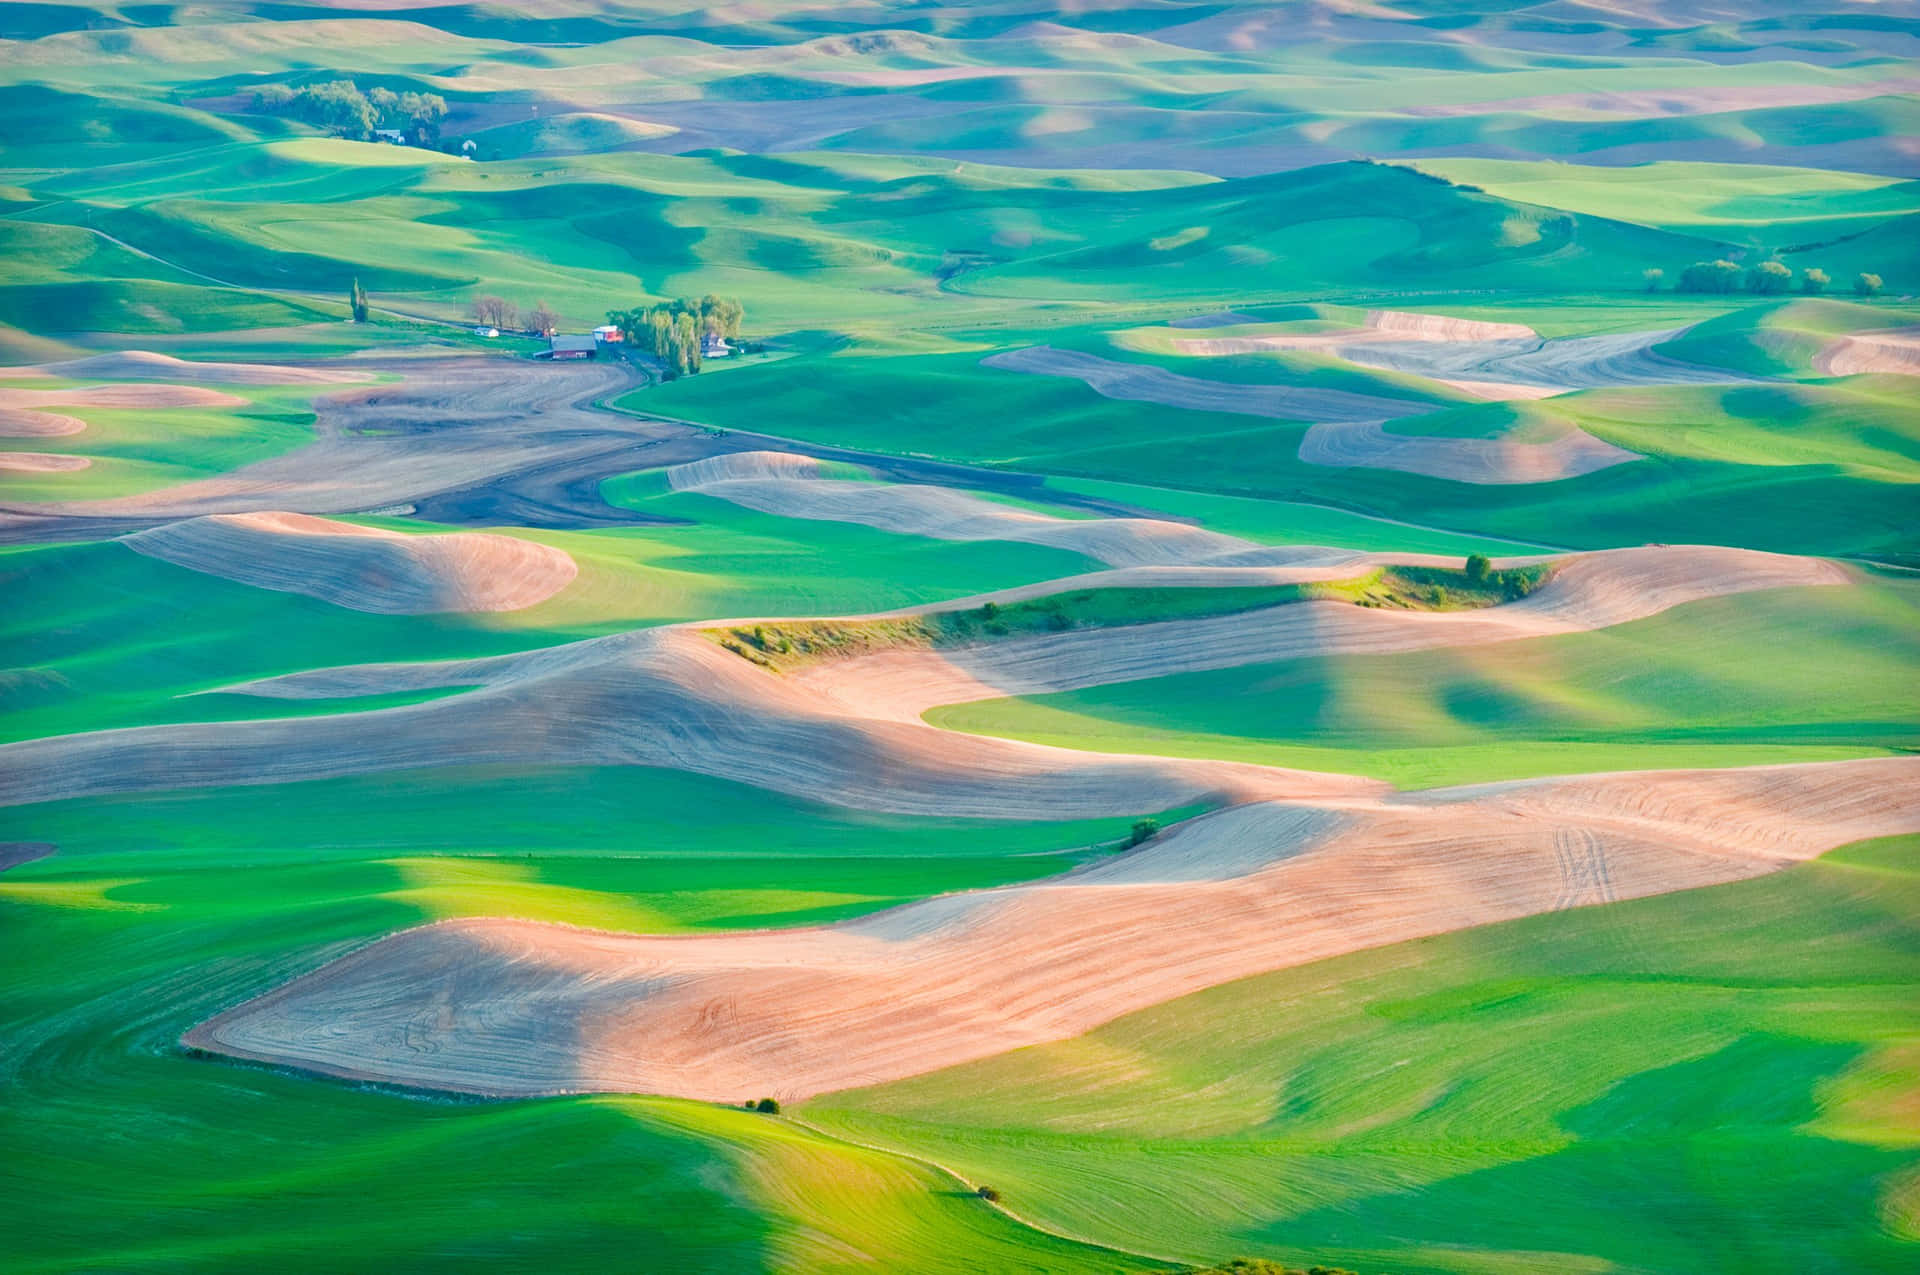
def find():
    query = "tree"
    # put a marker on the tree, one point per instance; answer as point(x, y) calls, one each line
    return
point(768, 1106)
point(1814, 281)
point(422, 112)
point(338, 105)
point(541, 321)
point(1769, 278)
point(1867, 285)
point(1144, 830)
point(1653, 278)
point(686, 337)
point(357, 301)
point(1710, 276)
point(988, 1194)
point(1478, 568)
point(493, 312)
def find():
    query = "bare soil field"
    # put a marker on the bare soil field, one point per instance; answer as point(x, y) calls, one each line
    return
point(144, 365)
point(1134, 382)
point(515, 1008)
point(468, 440)
point(1896, 351)
point(793, 487)
point(1589, 591)
point(1367, 444)
point(20, 422)
point(364, 568)
point(848, 734)
point(138, 396)
point(42, 462)
point(1471, 355)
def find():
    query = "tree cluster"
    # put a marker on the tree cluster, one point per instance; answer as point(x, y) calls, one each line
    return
point(498, 312)
point(341, 108)
point(1514, 583)
point(673, 330)
point(1767, 279)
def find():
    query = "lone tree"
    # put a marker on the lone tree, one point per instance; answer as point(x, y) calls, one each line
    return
point(357, 301)
point(1653, 278)
point(1769, 278)
point(1814, 281)
point(1478, 568)
point(768, 1106)
point(542, 321)
point(988, 1194)
point(1867, 285)
point(1144, 830)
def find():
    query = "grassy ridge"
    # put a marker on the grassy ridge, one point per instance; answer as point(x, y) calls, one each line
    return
point(1534, 1095)
point(789, 644)
point(1806, 674)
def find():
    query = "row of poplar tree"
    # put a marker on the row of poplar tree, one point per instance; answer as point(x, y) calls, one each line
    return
point(673, 330)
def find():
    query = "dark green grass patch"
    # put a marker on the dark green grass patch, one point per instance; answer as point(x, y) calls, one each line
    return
point(1706, 1080)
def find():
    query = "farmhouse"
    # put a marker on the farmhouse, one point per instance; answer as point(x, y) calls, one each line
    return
point(570, 347)
point(714, 346)
point(608, 334)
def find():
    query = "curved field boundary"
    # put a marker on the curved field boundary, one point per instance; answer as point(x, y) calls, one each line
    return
point(664, 697)
point(129, 395)
point(1590, 591)
point(517, 1008)
point(1895, 352)
point(792, 486)
point(847, 733)
point(450, 425)
point(1516, 364)
point(364, 568)
point(1369, 445)
point(1143, 383)
point(143, 365)
point(21, 422)
point(42, 462)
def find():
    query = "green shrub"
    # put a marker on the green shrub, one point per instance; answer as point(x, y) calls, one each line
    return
point(768, 1106)
point(1769, 278)
point(1478, 567)
point(1143, 830)
point(1711, 276)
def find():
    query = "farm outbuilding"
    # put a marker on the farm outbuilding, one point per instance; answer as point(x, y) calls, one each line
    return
point(571, 347)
